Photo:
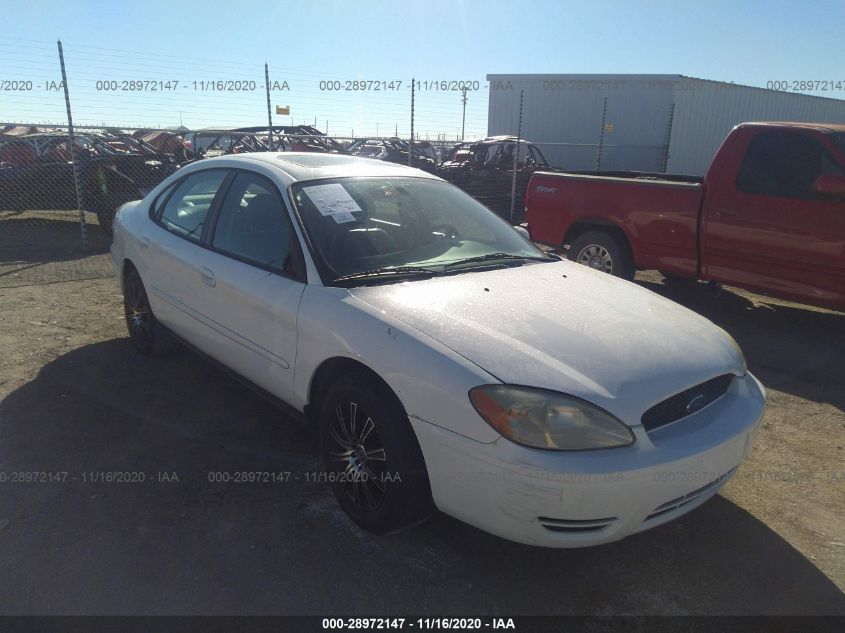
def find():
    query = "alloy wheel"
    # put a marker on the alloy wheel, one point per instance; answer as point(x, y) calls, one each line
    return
point(137, 311)
point(597, 257)
point(356, 458)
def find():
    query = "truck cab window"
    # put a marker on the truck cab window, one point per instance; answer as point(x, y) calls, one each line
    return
point(783, 164)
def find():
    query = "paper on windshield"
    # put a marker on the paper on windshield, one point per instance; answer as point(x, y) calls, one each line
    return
point(332, 200)
point(343, 217)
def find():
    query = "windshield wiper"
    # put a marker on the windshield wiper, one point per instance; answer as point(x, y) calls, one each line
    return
point(494, 256)
point(390, 271)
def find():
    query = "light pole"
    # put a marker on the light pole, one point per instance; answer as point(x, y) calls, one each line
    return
point(464, 117)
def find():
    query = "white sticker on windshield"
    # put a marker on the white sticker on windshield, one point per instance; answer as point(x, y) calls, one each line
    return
point(343, 217)
point(332, 199)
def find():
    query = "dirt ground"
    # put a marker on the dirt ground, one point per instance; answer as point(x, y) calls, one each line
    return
point(76, 399)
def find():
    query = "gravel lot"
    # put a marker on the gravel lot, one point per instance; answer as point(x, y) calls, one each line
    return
point(76, 398)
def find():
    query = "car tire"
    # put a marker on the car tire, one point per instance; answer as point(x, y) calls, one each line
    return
point(372, 459)
point(148, 336)
point(601, 250)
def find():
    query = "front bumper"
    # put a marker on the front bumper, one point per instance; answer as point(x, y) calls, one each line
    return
point(578, 499)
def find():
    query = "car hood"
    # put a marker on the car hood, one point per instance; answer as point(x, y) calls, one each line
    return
point(565, 327)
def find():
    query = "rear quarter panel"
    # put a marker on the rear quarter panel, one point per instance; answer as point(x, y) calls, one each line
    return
point(659, 218)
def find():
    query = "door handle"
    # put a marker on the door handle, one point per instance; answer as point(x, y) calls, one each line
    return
point(144, 242)
point(726, 214)
point(207, 277)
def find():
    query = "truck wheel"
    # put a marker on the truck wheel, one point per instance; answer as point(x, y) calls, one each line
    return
point(603, 251)
point(372, 458)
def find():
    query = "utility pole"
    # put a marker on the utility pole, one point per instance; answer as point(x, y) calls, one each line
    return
point(464, 117)
point(269, 111)
point(516, 153)
point(71, 142)
point(411, 145)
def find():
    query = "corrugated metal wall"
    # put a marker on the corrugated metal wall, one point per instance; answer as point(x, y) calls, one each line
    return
point(707, 110)
point(563, 115)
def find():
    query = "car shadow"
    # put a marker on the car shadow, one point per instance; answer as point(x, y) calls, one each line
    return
point(134, 485)
point(789, 348)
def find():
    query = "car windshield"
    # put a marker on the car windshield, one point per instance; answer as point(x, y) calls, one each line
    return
point(371, 224)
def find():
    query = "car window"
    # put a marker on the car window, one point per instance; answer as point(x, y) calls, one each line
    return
point(253, 224)
point(783, 164)
point(161, 199)
point(185, 211)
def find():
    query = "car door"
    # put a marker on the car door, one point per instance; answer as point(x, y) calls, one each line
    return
point(766, 228)
point(170, 264)
point(252, 282)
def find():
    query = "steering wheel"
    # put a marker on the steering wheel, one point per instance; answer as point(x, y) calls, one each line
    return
point(449, 231)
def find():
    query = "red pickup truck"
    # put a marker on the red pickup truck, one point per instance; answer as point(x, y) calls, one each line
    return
point(769, 215)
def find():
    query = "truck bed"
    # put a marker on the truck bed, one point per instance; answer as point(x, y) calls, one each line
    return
point(656, 210)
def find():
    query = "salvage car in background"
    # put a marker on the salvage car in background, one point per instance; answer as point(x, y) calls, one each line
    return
point(769, 215)
point(446, 361)
point(484, 169)
point(36, 172)
point(394, 150)
point(209, 143)
point(295, 138)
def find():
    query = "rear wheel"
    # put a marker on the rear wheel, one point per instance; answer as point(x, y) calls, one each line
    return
point(148, 335)
point(372, 458)
point(601, 250)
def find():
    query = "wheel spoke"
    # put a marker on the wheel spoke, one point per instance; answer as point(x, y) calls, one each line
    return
point(343, 428)
point(344, 444)
point(371, 501)
point(368, 427)
point(371, 476)
point(377, 455)
point(341, 457)
point(353, 415)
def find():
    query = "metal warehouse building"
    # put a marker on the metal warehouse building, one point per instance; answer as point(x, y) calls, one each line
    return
point(657, 123)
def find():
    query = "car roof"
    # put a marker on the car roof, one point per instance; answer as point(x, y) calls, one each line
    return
point(818, 127)
point(298, 166)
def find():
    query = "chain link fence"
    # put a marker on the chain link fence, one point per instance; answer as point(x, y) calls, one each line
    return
point(60, 183)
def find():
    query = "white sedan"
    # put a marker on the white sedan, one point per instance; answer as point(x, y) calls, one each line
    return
point(446, 361)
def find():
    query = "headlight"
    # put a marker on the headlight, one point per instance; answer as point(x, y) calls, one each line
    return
point(546, 419)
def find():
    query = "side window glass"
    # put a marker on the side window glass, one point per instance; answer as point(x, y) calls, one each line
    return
point(781, 164)
point(186, 210)
point(253, 224)
point(161, 199)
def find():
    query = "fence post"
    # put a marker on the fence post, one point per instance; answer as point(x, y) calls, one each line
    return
point(411, 145)
point(464, 116)
point(71, 142)
point(601, 137)
point(668, 140)
point(516, 154)
point(269, 111)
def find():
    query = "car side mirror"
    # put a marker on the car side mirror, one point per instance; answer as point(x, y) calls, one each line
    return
point(522, 231)
point(830, 185)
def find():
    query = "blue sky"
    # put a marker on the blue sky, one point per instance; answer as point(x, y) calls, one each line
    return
point(307, 42)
